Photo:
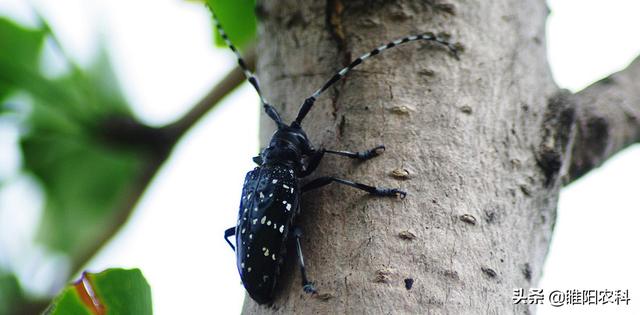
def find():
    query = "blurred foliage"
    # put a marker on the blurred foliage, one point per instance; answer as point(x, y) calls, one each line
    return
point(10, 293)
point(20, 49)
point(83, 178)
point(238, 18)
point(91, 170)
point(116, 291)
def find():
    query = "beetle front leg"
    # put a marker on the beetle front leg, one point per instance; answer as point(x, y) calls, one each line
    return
point(307, 285)
point(316, 156)
point(362, 156)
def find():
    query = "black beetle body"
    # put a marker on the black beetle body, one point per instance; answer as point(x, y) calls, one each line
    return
point(271, 192)
point(269, 203)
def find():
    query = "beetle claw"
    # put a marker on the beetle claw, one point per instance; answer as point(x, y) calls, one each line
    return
point(369, 154)
point(309, 288)
point(400, 194)
point(390, 192)
point(378, 150)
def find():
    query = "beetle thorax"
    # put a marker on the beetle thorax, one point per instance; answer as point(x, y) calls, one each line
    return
point(288, 145)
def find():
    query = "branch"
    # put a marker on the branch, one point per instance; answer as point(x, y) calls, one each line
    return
point(232, 80)
point(120, 215)
point(171, 133)
point(607, 120)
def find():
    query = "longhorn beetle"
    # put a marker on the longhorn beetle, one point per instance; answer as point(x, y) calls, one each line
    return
point(271, 192)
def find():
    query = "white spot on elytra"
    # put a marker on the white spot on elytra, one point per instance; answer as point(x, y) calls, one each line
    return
point(249, 269)
point(249, 196)
point(292, 190)
point(246, 209)
point(261, 195)
point(285, 186)
point(250, 237)
point(273, 256)
point(242, 265)
point(264, 218)
point(255, 220)
point(271, 195)
point(282, 228)
point(274, 181)
point(288, 206)
point(243, 229)
point(269, 223)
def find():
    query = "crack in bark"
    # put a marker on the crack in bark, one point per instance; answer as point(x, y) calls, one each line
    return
point(401, 12)
point(334, 11)
point(333, 16)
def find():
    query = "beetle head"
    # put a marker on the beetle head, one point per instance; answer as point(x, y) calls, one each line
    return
point(287, 146)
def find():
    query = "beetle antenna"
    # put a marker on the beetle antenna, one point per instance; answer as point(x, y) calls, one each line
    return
point(268, 108)
point(440, 39)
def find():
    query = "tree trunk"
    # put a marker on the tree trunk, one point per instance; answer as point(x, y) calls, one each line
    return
point(482, 145)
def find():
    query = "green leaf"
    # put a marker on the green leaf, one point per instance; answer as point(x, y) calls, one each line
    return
point(10, 293)
point(113, 291)
point(84, 183)
point(19, 49)
point(238, 19)
point(85, 180)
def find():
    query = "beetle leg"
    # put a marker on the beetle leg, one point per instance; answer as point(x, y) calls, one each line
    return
point(316, 156)
point(377, 191)
point(307, 285)
point(227, 233)
point(362, 156)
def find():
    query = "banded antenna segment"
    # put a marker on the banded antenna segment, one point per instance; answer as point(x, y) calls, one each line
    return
point(308, 103)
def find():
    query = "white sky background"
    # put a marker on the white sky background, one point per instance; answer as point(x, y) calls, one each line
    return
point(163, 53)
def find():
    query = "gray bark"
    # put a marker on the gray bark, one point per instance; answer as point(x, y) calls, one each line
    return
point(482, 146)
